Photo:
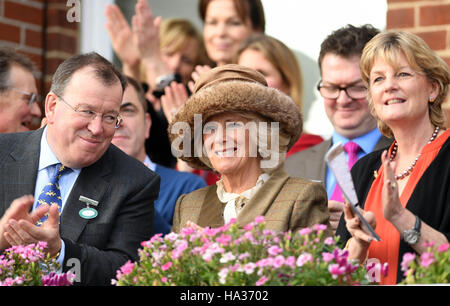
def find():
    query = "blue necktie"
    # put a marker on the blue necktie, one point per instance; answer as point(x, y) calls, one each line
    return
point(50, 194)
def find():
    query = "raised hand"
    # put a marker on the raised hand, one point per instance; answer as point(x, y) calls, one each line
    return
point(392, 206)
point(121, 36)
point(174, 97)
point(146, 38)
point(199, 69)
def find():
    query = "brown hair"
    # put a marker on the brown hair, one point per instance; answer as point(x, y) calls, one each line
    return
point(175, 33)
point(346, 42)
point(282, 58)
point(389, 45)
point(246, 9)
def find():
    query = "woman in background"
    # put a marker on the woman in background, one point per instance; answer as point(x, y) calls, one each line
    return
point(279, 65)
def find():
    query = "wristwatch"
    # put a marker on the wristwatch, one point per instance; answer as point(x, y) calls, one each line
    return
point(165, 80)
point(412, 235)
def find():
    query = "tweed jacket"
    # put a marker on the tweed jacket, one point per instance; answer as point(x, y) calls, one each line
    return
point(310, 163)
point(124, 188)
point(286, 203)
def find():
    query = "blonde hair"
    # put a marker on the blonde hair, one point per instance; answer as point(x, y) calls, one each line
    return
point(282, 58)
point(175, 34)
point(389, 45)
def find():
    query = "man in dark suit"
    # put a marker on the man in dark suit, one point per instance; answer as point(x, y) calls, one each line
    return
point(347, 109)
point(82, 111)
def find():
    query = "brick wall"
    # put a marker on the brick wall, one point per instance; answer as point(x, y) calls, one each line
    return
point(39, 29)
point(429, 19)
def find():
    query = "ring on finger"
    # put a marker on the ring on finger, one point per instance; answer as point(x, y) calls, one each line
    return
point(393, 185)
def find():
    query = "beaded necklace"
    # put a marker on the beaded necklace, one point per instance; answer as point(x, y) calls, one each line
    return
point(410, 168)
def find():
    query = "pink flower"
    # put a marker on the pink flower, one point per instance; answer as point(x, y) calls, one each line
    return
point(249, 268)
point(336, 270)
point(407, 258)
point(187, 231)
point(426, 259)
point(444, 247)
point(248, 227)
point(223, 275)
point(210, 231)
point(265, 262)
point(327, 257)
point(329, 241)
point(244, 256)
point(54, 279)
point(305, 231)
point(319, 227)
point(428, 244)
point(127, 268)
point(164, 279)
point(259, 220)
point(166, 266)
point(275, 250)
point(227, 257)
point(304, 258)
point(290, 261)
point(171, 236)
point(224, 239)
point(261, 281)
point(278, 261)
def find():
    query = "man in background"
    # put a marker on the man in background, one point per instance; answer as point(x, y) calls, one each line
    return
point(347, 109)
point(130, 137)
point(19, 101)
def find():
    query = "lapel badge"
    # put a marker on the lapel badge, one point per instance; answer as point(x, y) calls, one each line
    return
point(88, 212)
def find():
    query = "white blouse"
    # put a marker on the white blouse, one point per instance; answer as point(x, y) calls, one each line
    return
point(236, 201)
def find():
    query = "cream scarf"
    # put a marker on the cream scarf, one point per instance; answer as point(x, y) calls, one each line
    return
point(236, 201)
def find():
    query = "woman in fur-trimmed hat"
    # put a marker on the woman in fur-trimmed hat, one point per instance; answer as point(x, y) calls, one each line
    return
point(238, 127)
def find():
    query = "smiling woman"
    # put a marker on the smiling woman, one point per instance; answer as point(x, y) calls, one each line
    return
point(409, 195)
point(247, 128)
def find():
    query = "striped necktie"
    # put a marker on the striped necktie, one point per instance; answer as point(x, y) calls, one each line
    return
point(51, 194)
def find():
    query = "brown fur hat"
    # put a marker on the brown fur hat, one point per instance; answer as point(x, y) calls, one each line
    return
point(234, 88)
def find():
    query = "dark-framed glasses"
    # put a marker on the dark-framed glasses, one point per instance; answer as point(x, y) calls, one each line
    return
point(333, 91)
point(30, 97)
point(110, 119)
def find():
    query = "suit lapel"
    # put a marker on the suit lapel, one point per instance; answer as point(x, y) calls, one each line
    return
point(22, 166)
point(92, 183)
point(264, 197)
point(211, 211)
point(322, 149)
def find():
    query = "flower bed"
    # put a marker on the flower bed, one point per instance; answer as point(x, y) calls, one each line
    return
point(231, 256)
point(30, 266)
point(432, 267)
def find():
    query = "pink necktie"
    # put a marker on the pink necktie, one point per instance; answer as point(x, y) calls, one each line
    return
point(352, 149)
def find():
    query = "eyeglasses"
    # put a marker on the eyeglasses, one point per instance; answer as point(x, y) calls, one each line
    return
point(333, 92)
point(31, 97)
point(109, 119)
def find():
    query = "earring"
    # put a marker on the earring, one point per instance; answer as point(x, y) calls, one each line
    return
point(431, 99)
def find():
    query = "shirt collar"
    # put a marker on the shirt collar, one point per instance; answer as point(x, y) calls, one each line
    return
point(151, 165)
point(46, 157)
point(366, 142)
